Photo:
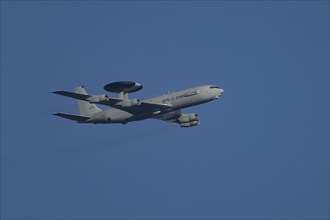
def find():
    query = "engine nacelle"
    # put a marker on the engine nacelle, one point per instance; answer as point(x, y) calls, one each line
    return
point(98, 98)
point(185, 118)
point(130, 103)
point(188, 120)
point(189, 124)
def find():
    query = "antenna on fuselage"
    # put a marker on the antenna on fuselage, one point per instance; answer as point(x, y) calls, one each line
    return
point(122, 88)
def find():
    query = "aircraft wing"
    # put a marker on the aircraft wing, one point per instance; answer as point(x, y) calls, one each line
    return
point(133, 106)
point(171, 117)
point(73, 95)
point(90, 98)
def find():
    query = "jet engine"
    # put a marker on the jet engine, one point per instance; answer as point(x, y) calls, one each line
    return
point(98, 98)
point(130, 103)
point(188, 120)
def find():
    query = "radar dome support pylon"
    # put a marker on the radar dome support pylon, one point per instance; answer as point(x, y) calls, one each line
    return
point(122, 88)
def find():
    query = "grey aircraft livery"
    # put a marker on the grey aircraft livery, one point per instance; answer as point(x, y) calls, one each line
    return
point(123, 110)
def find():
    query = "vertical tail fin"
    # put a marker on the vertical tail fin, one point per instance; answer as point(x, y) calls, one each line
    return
point(86, 108)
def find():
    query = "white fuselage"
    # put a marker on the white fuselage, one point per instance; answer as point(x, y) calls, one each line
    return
point(178, 100)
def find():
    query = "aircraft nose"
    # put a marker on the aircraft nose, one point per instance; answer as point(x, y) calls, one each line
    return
point(217, 93)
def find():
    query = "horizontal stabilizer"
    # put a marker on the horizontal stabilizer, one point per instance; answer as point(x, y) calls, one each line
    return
point(78, 118)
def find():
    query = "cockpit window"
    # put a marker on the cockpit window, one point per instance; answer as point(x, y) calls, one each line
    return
point(214, 87)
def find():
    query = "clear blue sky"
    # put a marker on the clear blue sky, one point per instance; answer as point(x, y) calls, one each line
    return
point(260, 152)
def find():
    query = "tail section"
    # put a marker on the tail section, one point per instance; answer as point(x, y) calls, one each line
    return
point(85, 107)
point(77, 118)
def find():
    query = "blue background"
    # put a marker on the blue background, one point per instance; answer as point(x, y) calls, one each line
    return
point(261, 150)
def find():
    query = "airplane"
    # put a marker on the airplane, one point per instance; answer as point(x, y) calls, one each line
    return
point(123, 110)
